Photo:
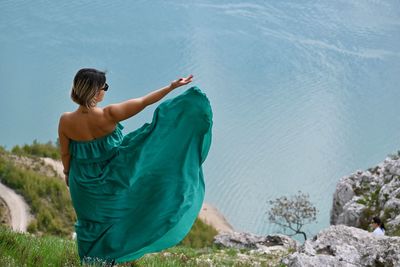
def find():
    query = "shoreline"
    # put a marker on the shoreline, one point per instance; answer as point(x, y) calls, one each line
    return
point(212, 216)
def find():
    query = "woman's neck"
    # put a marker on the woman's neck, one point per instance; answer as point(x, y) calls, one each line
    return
point(83, 109)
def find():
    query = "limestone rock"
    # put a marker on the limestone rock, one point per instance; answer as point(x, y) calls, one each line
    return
point(341, 245)
point(255, 242)
point(364, 194)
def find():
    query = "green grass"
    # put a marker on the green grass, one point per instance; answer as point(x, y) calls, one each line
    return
point(27, 250)
point(18, 249)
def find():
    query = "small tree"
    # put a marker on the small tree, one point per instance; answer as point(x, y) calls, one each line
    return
point(292, 213)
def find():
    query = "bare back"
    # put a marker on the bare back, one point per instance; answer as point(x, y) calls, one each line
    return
point(88, 125)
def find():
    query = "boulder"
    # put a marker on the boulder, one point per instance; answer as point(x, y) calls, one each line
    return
point(343, 194)
point(351, 213)
point(255, 242)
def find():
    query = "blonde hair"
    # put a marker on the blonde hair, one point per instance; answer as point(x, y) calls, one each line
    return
point(85, 86)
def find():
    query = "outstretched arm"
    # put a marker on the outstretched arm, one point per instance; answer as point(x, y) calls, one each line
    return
point(124, 110)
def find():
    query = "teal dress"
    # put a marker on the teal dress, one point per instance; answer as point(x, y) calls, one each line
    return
point(141, 192)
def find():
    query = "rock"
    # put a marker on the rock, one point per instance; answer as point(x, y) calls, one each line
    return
point(387, 178)
point(394, 222)
point(395, 170)
point(351, 214)
point(341, 245)
point(255, 242)
point(5, 214)
point(364, 194)
point(393, 204)
point(344, 193)
point(395, 193)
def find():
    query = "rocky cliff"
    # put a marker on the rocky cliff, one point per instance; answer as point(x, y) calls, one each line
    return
point(373, 192)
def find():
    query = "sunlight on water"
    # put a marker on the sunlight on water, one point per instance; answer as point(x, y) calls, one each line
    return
point(302, 92)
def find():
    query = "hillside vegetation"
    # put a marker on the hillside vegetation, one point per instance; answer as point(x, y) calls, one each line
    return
point(47, 197)
point(18, 249)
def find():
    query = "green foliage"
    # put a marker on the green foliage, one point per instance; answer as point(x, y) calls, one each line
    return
point(232, 252)
point(395, 231)
point(201, 235)
point(392, 230)
point(372, 208)
point(366, 217)
point(25, 250)
point(17, 249)
point(48, 149)
point(361, 201)
point(364, 187)
point(48, 198)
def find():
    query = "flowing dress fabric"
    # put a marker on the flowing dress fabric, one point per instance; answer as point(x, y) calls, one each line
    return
point(141, 192)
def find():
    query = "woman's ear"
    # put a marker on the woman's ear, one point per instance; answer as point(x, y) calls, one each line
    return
point(98, 96)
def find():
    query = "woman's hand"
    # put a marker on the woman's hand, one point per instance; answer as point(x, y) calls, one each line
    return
point(181, 81)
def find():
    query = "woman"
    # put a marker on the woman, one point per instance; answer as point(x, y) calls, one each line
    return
point(378, 226)
point(140, 192)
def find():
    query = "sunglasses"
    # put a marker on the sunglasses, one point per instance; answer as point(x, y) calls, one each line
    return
point(105, 88)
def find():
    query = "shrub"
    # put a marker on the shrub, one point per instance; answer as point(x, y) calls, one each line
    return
point(48, 149)
point(201, 235)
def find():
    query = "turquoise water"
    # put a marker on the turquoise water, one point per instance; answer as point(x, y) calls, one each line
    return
point(303, 92)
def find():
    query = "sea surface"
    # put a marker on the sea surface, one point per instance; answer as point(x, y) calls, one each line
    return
point(303, 92)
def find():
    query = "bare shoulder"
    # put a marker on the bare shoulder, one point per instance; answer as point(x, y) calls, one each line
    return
point(107, 113)
point(65, 115)
point(64, 118)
